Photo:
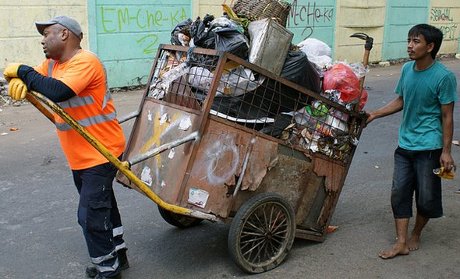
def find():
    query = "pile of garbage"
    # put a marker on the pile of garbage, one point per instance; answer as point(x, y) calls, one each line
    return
point(307, 123)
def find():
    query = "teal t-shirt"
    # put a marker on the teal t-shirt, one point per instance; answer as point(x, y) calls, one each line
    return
point(423, 93)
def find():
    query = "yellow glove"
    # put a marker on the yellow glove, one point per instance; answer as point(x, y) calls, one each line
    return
point(11, 71)
point(17, 89)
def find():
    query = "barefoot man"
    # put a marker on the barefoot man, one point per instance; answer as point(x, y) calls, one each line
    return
point(426, 93)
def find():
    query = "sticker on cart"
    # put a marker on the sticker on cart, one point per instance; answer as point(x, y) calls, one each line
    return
point(146, 177)
point(163, 184)
point(198, 197)
point(164, 118)
point(149, 116)
point(185, 123)
point(171, 153)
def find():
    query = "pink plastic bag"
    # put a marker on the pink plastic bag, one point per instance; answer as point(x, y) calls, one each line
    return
point(342, 78)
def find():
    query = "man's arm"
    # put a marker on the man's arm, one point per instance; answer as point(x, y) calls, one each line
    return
point(392, 107)
point(447, 112)
point(55, 90)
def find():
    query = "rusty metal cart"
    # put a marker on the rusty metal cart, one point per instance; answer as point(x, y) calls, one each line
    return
point(217, 138)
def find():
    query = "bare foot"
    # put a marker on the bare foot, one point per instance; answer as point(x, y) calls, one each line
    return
point(413, 243)
point(397, 249)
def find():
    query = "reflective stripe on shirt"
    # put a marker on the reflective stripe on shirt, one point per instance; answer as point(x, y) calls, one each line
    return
point(86, 122)
point(76, 102)
point(50, 68)
point(107, 96)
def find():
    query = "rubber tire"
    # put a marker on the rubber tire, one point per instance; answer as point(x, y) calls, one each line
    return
point(237, 227)
point(178, 220)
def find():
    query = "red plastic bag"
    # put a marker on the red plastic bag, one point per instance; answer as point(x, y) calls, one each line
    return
point(363, 99)
point(342, 78)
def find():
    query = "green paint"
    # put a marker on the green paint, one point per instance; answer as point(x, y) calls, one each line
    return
point(400, 17)
point(105, 22)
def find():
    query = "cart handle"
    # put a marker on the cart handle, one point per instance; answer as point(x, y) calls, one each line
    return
point(151, 153)
point(123, 167)
point(129, 116)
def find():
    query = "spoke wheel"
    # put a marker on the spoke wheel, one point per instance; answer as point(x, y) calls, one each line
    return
point(178, 220)
point(262, 233)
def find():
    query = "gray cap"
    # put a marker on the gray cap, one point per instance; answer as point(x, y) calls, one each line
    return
point(65, 21)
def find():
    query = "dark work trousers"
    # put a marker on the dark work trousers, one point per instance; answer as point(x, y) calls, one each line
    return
point(99, 217)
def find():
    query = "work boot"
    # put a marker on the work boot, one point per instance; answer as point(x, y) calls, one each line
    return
point(91, 271)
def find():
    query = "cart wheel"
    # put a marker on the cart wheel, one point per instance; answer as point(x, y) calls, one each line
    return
point(178, 220)
point(262, 233)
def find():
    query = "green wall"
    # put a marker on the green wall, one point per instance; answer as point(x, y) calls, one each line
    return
point(126, 35)
point(400, 17)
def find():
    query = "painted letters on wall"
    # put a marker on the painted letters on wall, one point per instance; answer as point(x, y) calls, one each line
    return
point(312, 19)
point(126, 36)
point(445, 21)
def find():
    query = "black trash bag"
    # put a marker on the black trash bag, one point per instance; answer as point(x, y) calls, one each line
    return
point(232, 41)
point(276, 129)
point(276, 97)
point(299, 70)
point(182, 27)
point(268, 100)
point(240, 106)
point(201, 34)
point(228, 105)
point(205, 61)
point(194, 27)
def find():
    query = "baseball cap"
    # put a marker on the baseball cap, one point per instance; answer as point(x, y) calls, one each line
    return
point(65, 21)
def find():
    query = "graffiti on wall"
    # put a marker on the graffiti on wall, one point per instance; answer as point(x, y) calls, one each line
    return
point(308, 16)
point(447, 25)
point(140, 20)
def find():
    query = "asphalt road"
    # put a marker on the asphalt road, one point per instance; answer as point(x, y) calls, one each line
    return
point(40, 238)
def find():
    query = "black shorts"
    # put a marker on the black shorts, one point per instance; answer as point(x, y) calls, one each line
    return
point(413, 173)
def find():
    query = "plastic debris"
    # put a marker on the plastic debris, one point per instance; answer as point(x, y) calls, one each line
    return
point(331, 229)
point(444, 173)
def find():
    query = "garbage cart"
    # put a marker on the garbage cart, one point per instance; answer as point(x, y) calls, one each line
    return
point(218, 138)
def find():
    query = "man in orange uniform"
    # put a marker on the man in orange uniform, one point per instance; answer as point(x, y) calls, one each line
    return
point(76, 80)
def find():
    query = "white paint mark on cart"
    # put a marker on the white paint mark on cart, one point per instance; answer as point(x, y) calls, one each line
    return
point(146, 177)
point(171, 154)
point(185, 123)
point(164, 118)
point(219, 167)
point(149, 116)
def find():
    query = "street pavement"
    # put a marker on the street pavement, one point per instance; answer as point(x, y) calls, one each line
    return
point(40, 238)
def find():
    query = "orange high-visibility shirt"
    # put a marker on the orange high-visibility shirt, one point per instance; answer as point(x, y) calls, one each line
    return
point(92, 107)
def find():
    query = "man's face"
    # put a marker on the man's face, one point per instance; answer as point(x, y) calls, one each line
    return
point(417, 48)
point(53, 41)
